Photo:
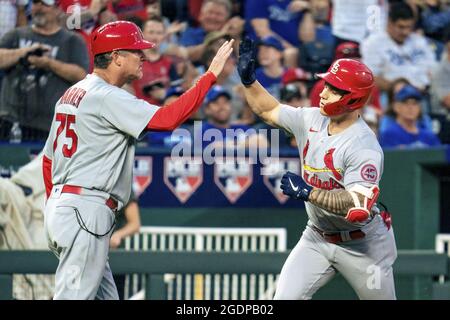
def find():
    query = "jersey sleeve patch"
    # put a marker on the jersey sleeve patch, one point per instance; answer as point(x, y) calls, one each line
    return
point(369, 173)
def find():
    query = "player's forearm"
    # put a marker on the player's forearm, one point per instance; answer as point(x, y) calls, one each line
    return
point(68, 71)
point(334, 201)
point(171, 116)
point(10, 57)
point(259, 100)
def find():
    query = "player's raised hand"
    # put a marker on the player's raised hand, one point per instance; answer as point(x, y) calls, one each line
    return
point(221, 57)
point(247, 61)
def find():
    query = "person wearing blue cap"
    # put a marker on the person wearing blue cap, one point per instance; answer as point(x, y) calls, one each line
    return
point(404, 132)
point(270, 55)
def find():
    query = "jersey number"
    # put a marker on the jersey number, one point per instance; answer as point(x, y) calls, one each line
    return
point(66, 120)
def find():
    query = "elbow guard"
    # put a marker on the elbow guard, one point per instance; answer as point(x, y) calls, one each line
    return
point(361, 213)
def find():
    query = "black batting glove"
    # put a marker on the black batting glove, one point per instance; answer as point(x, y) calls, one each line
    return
point(247, 61)
point(295, 187)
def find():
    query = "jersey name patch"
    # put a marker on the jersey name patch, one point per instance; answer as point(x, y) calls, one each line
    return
point(369, 173)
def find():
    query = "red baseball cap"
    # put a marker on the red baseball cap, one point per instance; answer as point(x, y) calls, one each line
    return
point(118, 35)
point(347, 50)
point(295, 74)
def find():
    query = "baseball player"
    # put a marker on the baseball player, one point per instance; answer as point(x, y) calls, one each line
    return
point(89, 154)
point(342, 164)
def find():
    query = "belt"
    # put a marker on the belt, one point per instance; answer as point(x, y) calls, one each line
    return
point(110, 202)
point(336, 237)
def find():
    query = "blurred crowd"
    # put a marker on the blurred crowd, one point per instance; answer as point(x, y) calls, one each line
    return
point(44, 49)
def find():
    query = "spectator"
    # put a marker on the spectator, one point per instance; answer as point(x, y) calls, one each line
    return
point(218, 111)
point(321, 11)
point(40, 61)
point(214, 16)
point(270, 54)
point(440, 92)
point(316, 54)
point(440, 80)
point(125, 9)
point(302, 80)
point(153, 8)
point(405, 132)
point(355, 20)
point(290, 94)
point(288, 21)
point(158, 68)
point(83, 16)
point(389, 116)
point(12, 14)
point(398, 52)
point(229, 78)
point(155, 91)
point(435, 18)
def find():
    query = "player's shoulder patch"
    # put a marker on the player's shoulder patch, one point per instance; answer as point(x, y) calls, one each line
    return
point(369, 173)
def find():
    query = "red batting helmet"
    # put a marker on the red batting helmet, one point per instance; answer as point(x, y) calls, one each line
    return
point(118, 35)
point(352, 76)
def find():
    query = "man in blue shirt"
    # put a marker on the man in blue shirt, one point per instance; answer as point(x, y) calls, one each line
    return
point(273, 16)
point(404, 131)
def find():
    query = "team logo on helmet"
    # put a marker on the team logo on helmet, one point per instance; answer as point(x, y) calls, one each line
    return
point(142, 174)
point(273, 172)
point(335, 67)
point(183, 176)
point(233, 177)
point(369, 173)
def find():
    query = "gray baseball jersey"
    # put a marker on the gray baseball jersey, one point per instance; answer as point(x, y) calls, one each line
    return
point(91, 145)
point(91, 142)
point(342, 160)
point(351, 157)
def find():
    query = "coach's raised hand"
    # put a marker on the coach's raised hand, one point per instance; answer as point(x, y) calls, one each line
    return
point(247, 61)
point(221, 57)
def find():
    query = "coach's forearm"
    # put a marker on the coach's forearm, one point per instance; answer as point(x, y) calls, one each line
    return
point(334, 201)
point(171, 116)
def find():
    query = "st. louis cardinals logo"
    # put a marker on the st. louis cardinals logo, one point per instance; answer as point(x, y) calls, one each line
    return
point(335, 67)
point(183, 177)
point(369, 173)
point(275, 171)
point(233, 177)
point(142, 174)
